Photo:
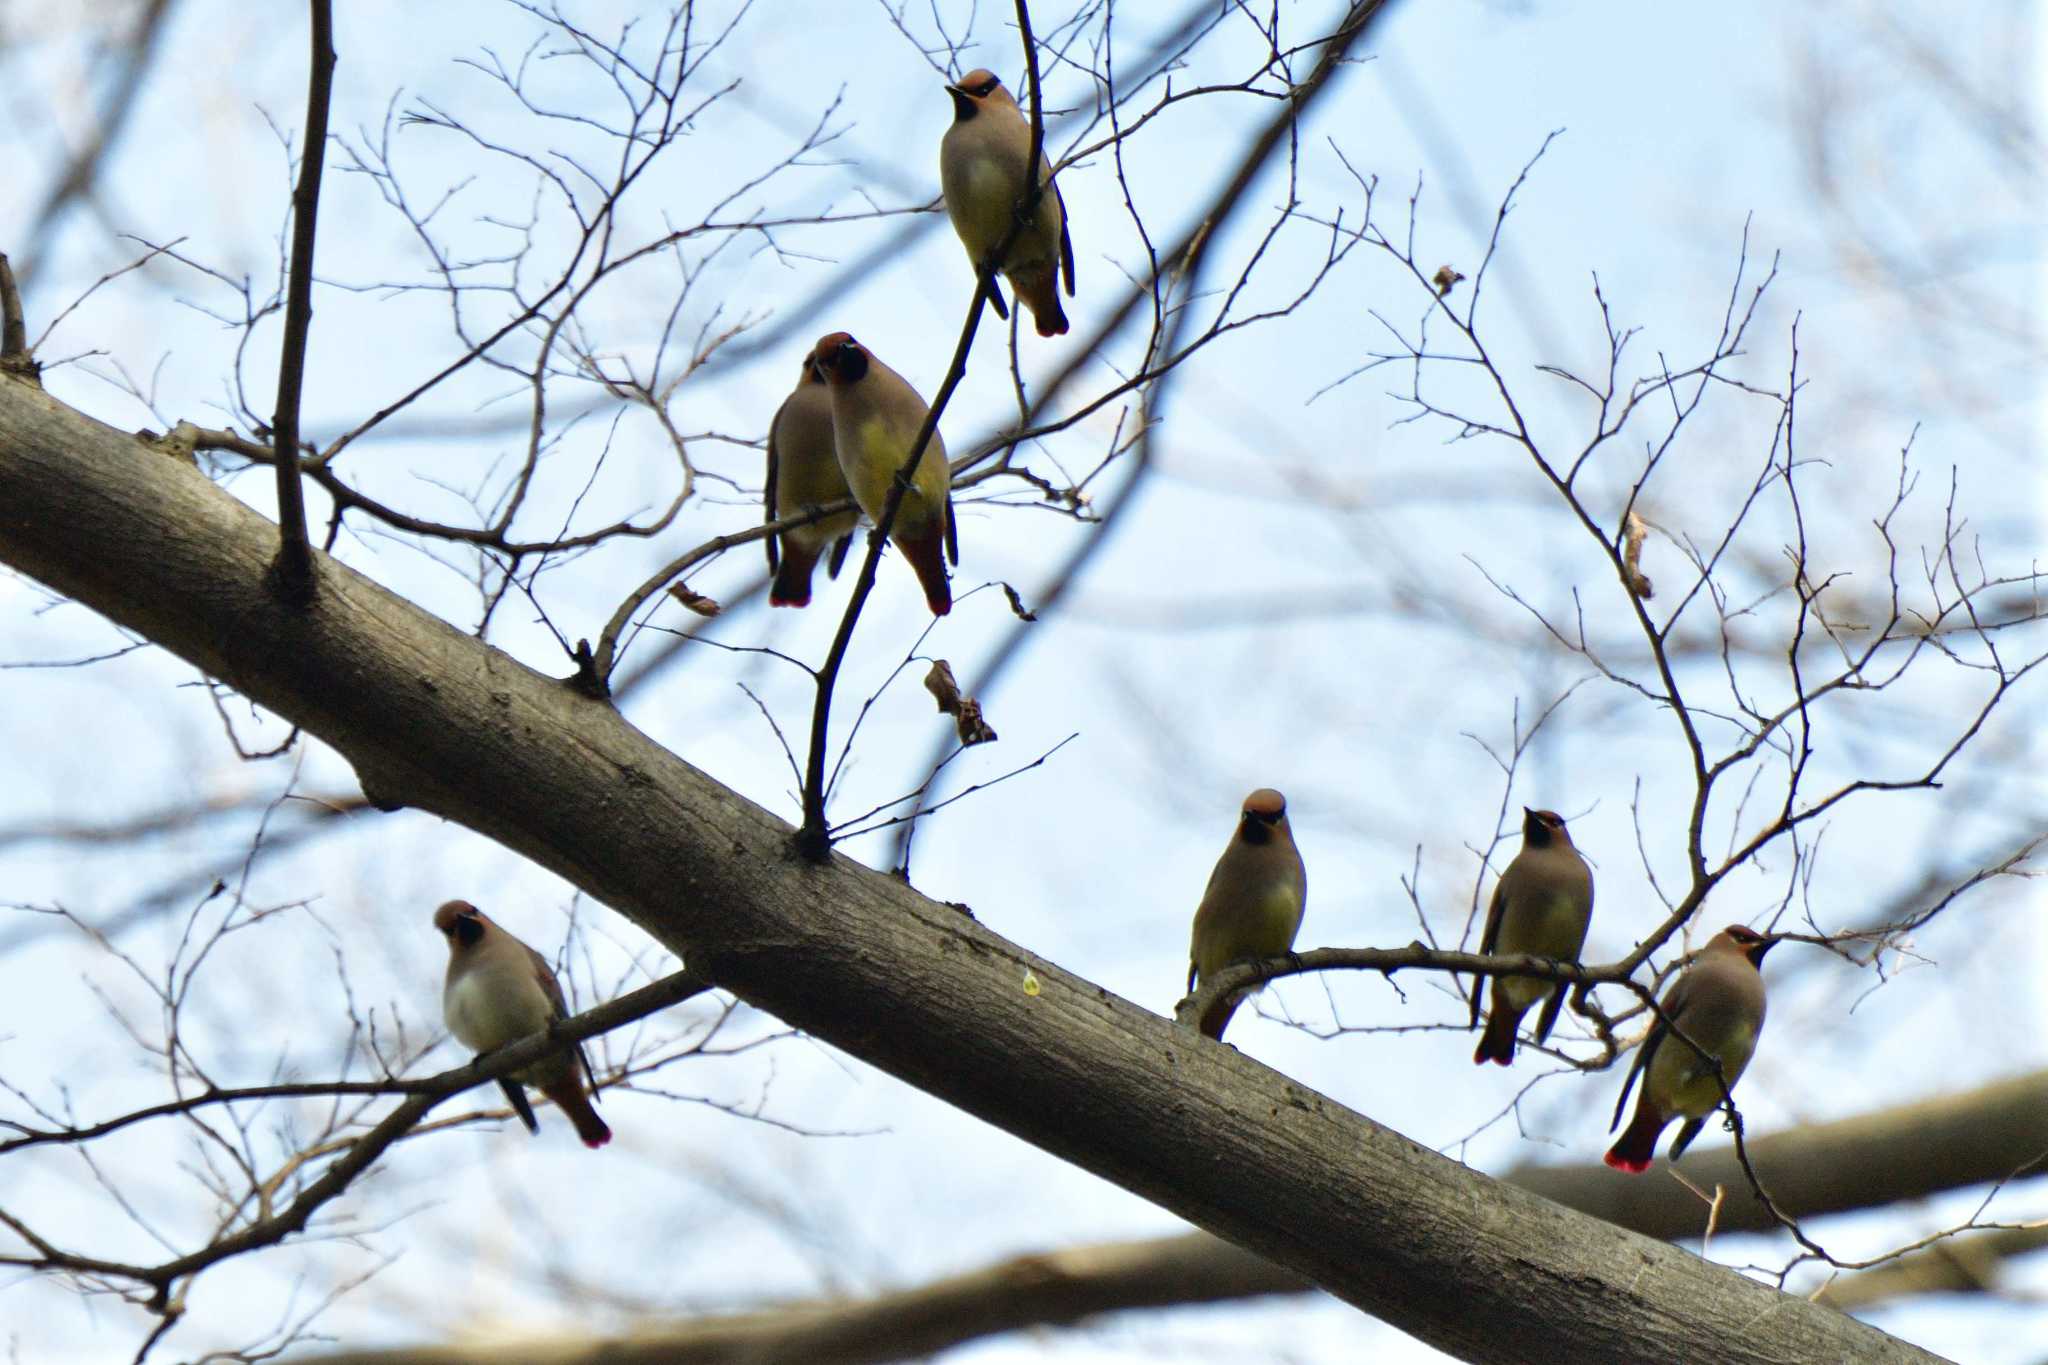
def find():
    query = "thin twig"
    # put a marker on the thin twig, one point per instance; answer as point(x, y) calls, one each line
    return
point(293, 567)
point(814, 839)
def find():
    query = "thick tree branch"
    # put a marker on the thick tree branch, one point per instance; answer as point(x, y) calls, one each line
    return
point(433, 718)
point(1052, 1289)
point(15, 357)
point(1948, 1143)
point(1944, 1144)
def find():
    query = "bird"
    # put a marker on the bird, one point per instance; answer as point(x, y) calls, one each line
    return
point(499, 991)
point(803, 472)
point(1253, 905)
point(1718, 1003)
point(1541, 906)
point(875, 420)
point(982, 161)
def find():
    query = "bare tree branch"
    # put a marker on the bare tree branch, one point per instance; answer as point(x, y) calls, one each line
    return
point(435, 719)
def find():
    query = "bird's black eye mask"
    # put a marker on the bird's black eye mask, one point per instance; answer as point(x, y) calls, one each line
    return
point(1257, 826)
point(964, 97)
point(467, 929)
point(851, 362)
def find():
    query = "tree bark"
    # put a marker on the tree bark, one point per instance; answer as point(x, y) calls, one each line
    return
point(1910, 1152)
point(1051, 1289)
point(434, 719)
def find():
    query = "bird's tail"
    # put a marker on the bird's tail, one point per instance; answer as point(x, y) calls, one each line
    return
point(793, 580)
point(1040, 292)
point(570, 1098)
point(515, 1095)
point(1685, 1136)
point(927, 558)
point(1218, 1018)
point(1497, 1044)
point(1634, 1149)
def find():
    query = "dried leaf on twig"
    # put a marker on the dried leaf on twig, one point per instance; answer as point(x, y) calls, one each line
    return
point(1633, 531)
point(695, 601)
point(965, 711)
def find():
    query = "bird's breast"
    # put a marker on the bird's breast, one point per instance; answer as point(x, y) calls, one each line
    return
point(486, 1012)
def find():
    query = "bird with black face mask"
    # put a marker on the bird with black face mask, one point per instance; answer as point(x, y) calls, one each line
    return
point(1253, 905)
point(1705, 1034)
point(499, 991)
point(803, 472)
point(875, 420)
point(983, 161)
point(1541, 906)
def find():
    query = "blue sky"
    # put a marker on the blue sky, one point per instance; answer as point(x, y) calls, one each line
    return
point(1299, 599)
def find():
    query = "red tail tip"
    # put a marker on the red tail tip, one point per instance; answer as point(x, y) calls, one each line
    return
point(1630, 1164)
point(776, 599)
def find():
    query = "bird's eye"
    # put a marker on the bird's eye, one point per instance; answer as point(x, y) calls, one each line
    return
point(850, 362)
point(986, 88)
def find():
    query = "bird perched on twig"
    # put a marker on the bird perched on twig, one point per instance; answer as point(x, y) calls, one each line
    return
point(1541, 906)
point(499, 991)
point(983, 161)
point(1718, 1003)
point(875, 420)
point(1254, 902)
point(803, 472)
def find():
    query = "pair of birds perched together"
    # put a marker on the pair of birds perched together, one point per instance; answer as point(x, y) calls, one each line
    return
point(1707, 1025)
point(851, 422)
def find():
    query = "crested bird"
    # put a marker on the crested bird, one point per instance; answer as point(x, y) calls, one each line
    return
point(1254, 901)
point(499, 991)
point(1718, 1004)
point(1541, 906)
point(876, 416)
point(983, 162)
point(803, 472)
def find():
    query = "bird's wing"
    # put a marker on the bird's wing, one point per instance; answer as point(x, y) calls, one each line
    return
point(1066, 243)
point(768, 493)
point(1488, 936)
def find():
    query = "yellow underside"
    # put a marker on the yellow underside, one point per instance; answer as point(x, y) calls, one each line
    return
point(1686, 1081)
point(1264, 928)
point(882, 453)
